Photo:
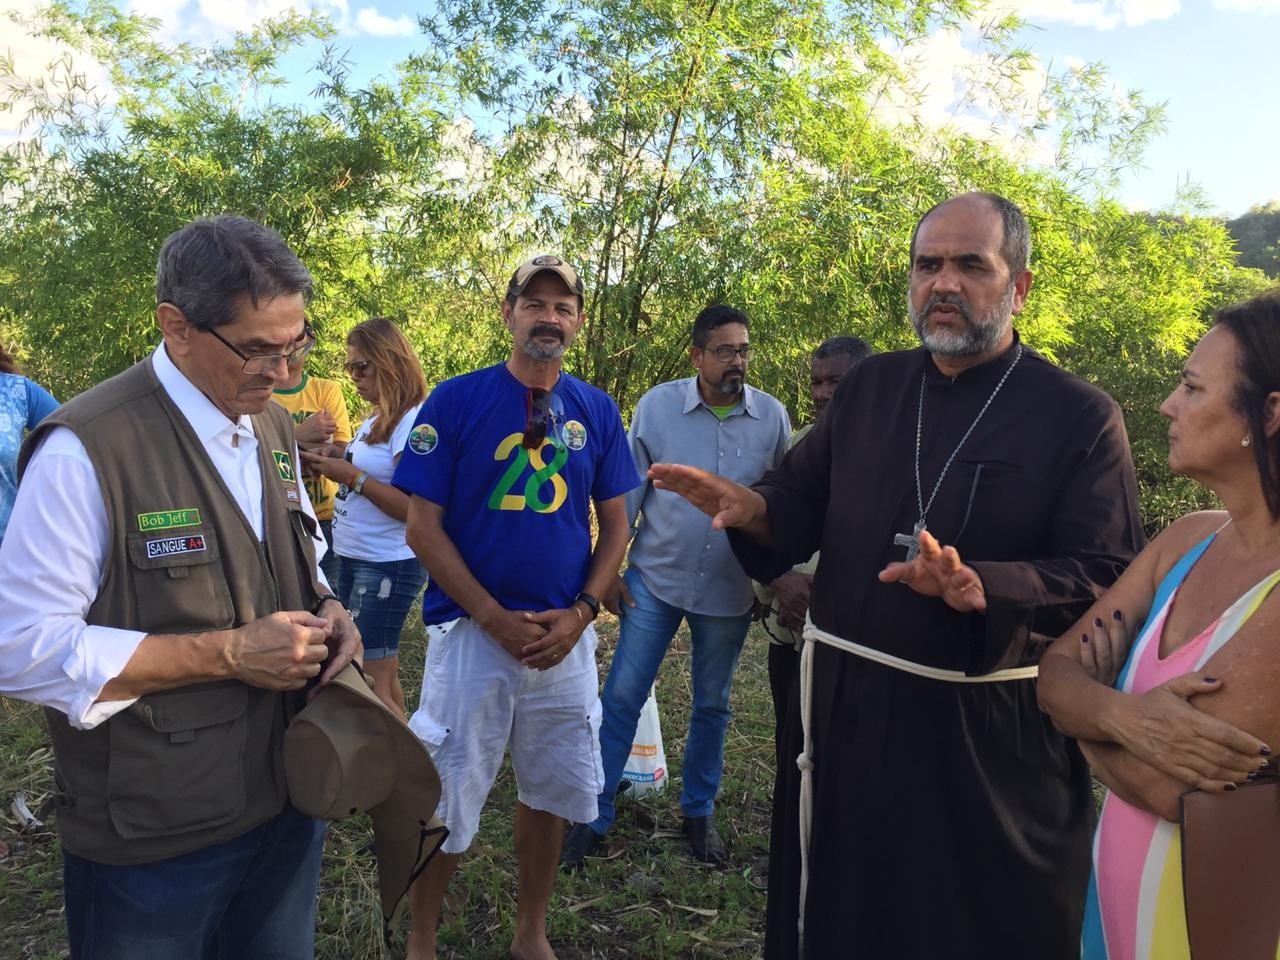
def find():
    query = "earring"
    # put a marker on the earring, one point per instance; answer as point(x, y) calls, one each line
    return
point(1244, 442)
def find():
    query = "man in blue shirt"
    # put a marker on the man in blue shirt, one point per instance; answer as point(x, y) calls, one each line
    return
point(503, 465)
point(682, 569)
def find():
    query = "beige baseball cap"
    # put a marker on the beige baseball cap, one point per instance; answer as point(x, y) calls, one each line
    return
point(549, 262)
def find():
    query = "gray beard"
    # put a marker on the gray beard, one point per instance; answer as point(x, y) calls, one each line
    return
point(539, 352)
point(728, 388)
point(982, 333)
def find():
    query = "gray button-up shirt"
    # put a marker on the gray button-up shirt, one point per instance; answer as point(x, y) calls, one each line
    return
point(682, 560)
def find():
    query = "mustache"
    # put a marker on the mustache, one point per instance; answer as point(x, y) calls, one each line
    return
point(952, 300)
point(546, 330)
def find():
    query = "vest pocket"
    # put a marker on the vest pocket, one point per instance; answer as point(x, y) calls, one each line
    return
point(178, 583)
point(176, 761)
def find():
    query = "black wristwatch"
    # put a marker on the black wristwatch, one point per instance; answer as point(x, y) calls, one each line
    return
point(590, 601)
point(315, 610)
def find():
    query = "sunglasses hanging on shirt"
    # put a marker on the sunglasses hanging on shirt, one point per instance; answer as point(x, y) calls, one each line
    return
point(546, 418)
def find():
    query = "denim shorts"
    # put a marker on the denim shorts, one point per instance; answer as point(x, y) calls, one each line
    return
point(379, 595)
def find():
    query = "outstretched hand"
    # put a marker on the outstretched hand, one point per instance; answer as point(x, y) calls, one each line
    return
point(728, 504)
point(937, 572)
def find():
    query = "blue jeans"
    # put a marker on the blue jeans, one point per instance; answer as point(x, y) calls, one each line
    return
point(379, 595)
point(645, 634)
point(250, 898)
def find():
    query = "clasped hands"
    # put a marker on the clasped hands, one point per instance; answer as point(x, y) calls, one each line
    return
point(539, 639)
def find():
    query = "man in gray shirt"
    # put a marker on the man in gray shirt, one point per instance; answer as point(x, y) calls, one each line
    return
point(682, 569)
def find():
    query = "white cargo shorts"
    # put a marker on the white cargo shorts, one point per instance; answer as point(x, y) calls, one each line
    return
point(478, 701)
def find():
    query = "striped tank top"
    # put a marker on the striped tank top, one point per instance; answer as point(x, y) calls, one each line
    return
point(1134, 909)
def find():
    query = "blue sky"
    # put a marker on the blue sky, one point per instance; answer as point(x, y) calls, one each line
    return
point(1211, 60)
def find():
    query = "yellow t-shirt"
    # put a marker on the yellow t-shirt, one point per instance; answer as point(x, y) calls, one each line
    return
point(311, 396)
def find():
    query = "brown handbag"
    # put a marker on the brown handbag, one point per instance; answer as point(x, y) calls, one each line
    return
point(1231, 872)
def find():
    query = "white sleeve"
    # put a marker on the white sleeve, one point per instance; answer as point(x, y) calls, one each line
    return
point(400, 436)
point(51, 568)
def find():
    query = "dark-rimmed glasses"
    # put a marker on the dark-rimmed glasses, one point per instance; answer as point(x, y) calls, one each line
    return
point(726, 353)
point(262, 362)
point(542, 418)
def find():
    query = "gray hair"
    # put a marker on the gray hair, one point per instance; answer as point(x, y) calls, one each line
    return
point(205, 267)
point(1015, 247)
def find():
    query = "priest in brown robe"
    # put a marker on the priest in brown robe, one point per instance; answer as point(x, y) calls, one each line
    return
point(944, 815)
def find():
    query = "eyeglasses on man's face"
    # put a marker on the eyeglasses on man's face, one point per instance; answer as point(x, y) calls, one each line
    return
point(260, 363)
point(726, 353)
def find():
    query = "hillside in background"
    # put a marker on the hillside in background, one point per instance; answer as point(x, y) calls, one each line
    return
point(1257, 236)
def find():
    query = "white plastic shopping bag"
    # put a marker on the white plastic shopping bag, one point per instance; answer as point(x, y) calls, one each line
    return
point(647, 766)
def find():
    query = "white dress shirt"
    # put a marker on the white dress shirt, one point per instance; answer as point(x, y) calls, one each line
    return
point(53, 558)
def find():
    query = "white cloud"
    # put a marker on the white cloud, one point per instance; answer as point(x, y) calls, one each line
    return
point(1103, 14)
point(209, 21)
point(44, 67)
point(1249, 6)
point(229, 16)
point(949, 86)
point(370, 21)
point(168, 12)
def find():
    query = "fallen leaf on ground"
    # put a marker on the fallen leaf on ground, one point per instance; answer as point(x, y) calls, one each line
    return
point(583, 904)
point(700, 911)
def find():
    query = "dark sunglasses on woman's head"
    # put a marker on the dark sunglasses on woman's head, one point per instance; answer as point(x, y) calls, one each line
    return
point(356, 368)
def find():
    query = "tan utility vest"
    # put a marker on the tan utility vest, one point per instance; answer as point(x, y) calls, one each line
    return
point(181, 769)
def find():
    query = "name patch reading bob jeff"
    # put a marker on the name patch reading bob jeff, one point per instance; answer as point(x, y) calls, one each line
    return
point(168, 519)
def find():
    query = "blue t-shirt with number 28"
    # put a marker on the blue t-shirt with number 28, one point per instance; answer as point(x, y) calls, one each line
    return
point(520, 517)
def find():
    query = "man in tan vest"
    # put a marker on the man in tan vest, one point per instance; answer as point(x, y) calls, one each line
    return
point(159, 595)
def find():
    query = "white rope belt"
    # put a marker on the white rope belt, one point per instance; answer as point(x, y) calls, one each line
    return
point(812, 636)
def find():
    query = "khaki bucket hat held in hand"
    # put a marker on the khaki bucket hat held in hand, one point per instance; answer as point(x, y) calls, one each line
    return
point(347, 753)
